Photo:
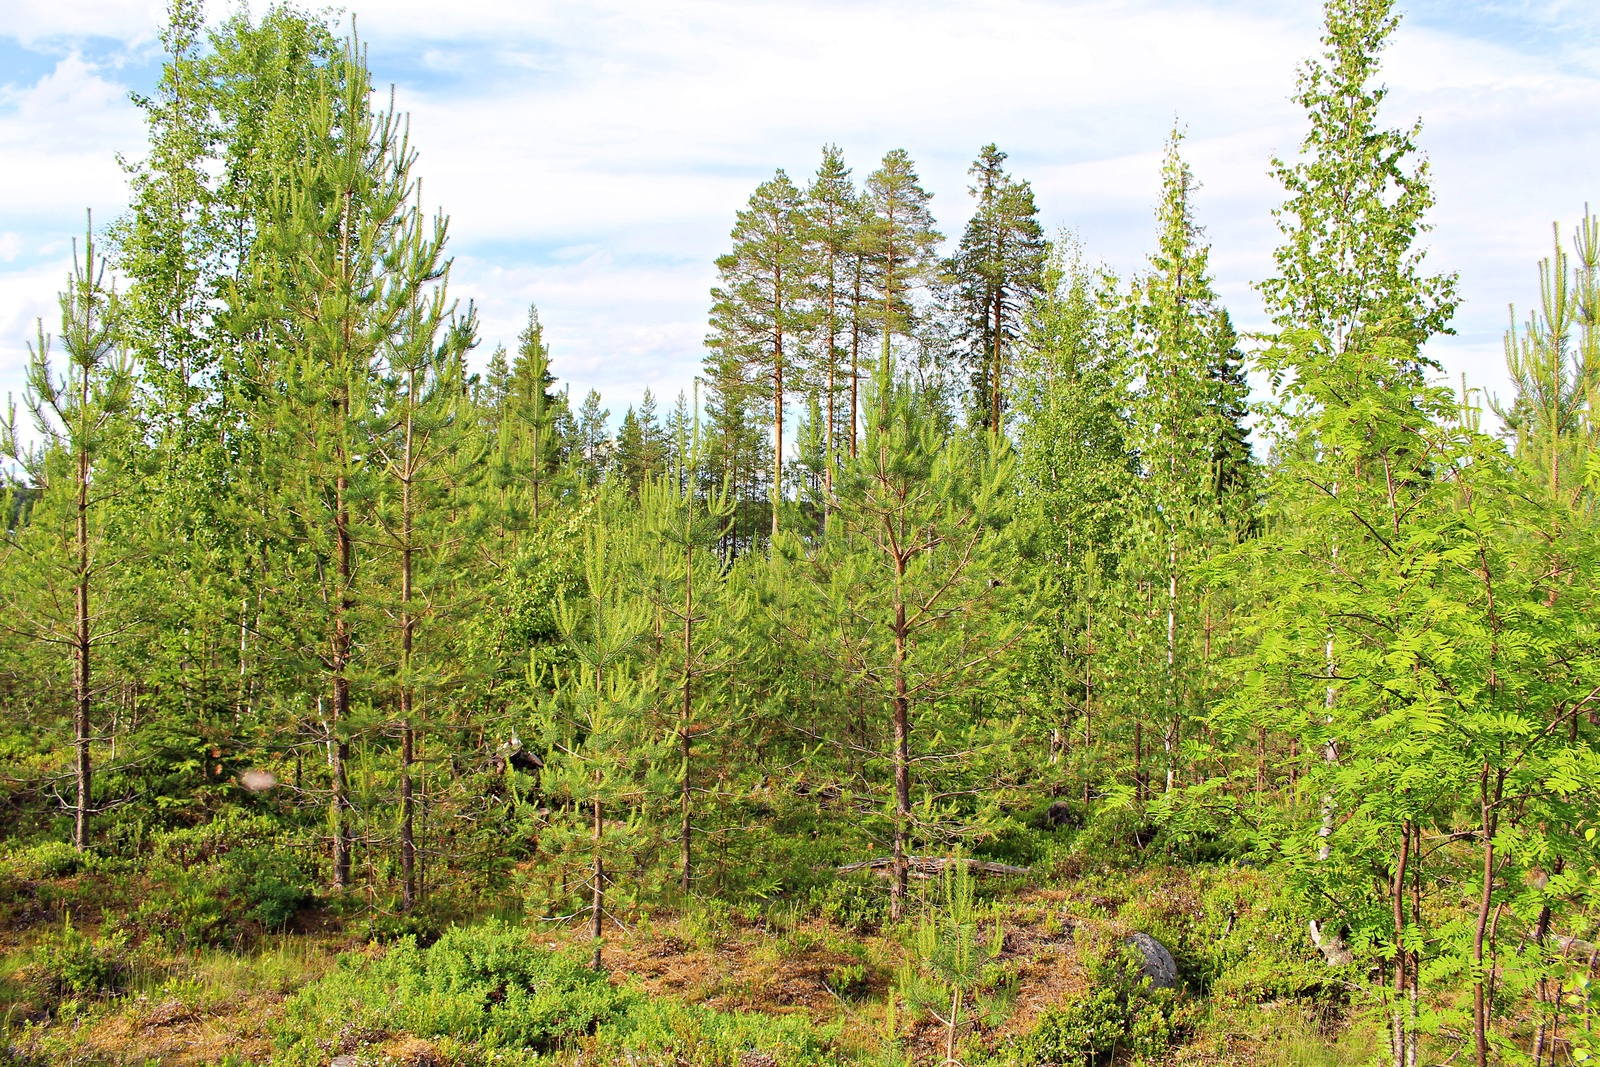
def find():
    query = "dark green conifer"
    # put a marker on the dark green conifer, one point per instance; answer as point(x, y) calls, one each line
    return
point(998, 270)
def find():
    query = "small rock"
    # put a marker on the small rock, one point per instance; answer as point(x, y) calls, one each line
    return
point(1061, 814)
point(1156, 963)
point(344, 1061)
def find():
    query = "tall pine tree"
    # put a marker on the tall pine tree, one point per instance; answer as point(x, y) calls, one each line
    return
point(760, 307)
point(998, 269)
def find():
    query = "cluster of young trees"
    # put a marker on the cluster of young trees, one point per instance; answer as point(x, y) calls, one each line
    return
point(275, 551)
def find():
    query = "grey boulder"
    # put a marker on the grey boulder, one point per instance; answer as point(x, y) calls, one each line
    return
point(1155, 962)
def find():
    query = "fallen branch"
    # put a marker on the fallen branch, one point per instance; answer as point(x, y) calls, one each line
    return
point(929, 866)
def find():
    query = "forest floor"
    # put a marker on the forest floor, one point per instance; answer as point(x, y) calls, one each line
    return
point(215, 1006)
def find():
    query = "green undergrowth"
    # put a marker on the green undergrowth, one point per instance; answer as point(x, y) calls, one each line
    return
point(1120, 1009)
point(229, 882)
point(486, 991)
point(489, 992)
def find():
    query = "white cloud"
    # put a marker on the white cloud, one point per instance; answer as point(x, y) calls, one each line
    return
point(27, 298)
point(592, 156)
point(33, 23)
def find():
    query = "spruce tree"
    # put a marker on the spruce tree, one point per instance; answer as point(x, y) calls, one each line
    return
point(592, 447)
point(735, 450)
point(532, 414)
point(641, 449)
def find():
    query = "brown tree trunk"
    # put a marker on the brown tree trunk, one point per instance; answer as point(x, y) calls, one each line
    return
point(1541, 931)
point(1138, 759)
point(597, 905)
point(855, 360)
point(408, 847)
point(408, 844)
point(1488, 804)
point(1398, 1041)
point(684, 740)
point(902, 745)
point(341, 690)
point(777, 432)
point(832, 416)
point(1169, 736)
point(994, 415)
point(81, 677)
point(1088, 692)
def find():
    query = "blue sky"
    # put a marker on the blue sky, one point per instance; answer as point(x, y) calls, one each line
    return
point(592, 156)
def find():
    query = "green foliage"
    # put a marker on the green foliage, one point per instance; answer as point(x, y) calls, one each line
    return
point(1118, 1011)
point(482, 983)
point(486, 986)
point(186, 908)
point(950, 972)
point(688, 1033)
point(47, 859)
point(271, 885)
point(69, 964)
point(294, 600)
point(1348, 268)
point(1075, 1032)
point(1252, 946)
point(854, 904)
point(998, 270)
point(849, 981)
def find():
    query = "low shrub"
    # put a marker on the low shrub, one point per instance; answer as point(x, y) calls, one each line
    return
point(226, 900)
point(1119, 1012)
point(230, 830)
point(705, 922)
point(854, 904)
point(1256, 947)
point(49, 859)
point(391, 922)
point(1078, 1029)
point(1116, 834)
point(482, 983)
point(486, 988)
point(267, 885)
point(184, 909)
point(849, 981)
point(70, 965)
point(673, 1032)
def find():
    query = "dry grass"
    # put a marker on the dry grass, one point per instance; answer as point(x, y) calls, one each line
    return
point(189, 1010)
point(200, 1008)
